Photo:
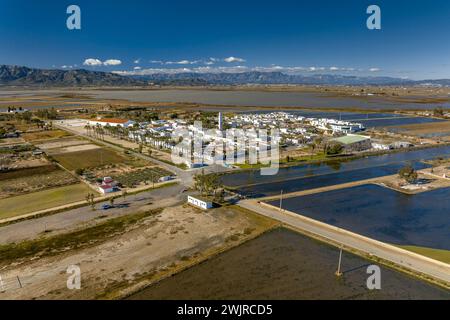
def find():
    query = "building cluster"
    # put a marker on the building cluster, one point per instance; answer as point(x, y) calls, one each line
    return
point(198, 146)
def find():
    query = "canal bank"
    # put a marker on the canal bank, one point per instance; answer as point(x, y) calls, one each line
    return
point(426, 268)
point(283, 264)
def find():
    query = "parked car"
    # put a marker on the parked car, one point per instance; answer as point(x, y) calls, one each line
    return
point(107, 207)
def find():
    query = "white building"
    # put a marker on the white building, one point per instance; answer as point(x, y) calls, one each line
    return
point(124, 123)
point(106, 188)
point(200, 202)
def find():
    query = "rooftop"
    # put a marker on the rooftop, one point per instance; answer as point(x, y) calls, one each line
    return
point(349, 139)
point(111, 120)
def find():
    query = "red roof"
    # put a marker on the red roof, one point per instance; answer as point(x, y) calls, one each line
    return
point(111, 120)
point(106, 186)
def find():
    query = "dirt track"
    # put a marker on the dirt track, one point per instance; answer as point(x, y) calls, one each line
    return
point(162, 244)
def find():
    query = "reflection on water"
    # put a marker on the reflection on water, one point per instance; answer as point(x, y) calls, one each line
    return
point(319, 181)
point(309, 170)
point(285, 265)
point(382, 214)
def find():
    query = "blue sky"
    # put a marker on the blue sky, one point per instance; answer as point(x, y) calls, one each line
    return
point(320, 36)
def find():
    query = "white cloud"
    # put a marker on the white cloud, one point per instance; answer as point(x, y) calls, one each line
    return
point(182, 62)
point(374, 69)
point(91, 62)
point(112, 62)
point(207, 68)
point(137, 61)
point(233, 59)
point(137, 68)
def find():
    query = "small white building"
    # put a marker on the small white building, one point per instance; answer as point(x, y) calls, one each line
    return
point(106, 188)
point(200, 202)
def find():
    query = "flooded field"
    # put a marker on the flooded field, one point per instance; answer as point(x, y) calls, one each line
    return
point(240, 98)
point(330, 173)
point(261, 98)
point(382, 214)
point(322, 180)
point(283, 264)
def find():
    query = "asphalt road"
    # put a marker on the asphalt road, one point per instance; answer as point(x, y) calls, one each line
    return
point(75, 218)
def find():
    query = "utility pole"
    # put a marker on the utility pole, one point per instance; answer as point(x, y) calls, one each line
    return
point(281, 200)
point(338, 272)
point(20, 283)
point(2, 286)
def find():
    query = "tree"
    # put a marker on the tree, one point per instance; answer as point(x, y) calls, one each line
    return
point(207, 184)
point(333, 148)
point(90, 200)
point(111, 201)
point(408, 174)
point(438, 112)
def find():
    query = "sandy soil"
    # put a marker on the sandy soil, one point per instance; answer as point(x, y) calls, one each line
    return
point(61, 143)
point(427, 180)
point(83, 147)
point(157, 247)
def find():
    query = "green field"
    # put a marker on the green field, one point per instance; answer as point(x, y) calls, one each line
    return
point(19, 205)
point(89, 159)
point(436, 254)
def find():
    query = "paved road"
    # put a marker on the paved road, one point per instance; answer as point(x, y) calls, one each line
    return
point(71, 219)
point(435, 269)
point(186, 176)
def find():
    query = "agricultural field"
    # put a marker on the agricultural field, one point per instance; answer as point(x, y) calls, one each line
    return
point(27, 180)
point(53, 146)
point(44, 135)
point(428, 130)
point(23, 204)
point(141, 176)
point(20, 156)
point(89, 158)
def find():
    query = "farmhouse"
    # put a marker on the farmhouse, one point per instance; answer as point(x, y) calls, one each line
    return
point(108, 185)
point(106, 188)
point(354, 142)
point(199, 202)
point(113, 122)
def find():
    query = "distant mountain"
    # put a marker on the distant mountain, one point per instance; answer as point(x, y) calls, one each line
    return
point(23, 76)
point(268, 78)
point(280, 78)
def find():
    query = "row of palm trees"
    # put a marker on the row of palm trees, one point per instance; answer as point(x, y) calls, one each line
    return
point(132, 133)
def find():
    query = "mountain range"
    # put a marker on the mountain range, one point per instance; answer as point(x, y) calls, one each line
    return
point(24, 76)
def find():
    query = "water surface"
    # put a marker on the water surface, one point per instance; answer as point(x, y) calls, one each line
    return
point(382, 214)
point(285, 265)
